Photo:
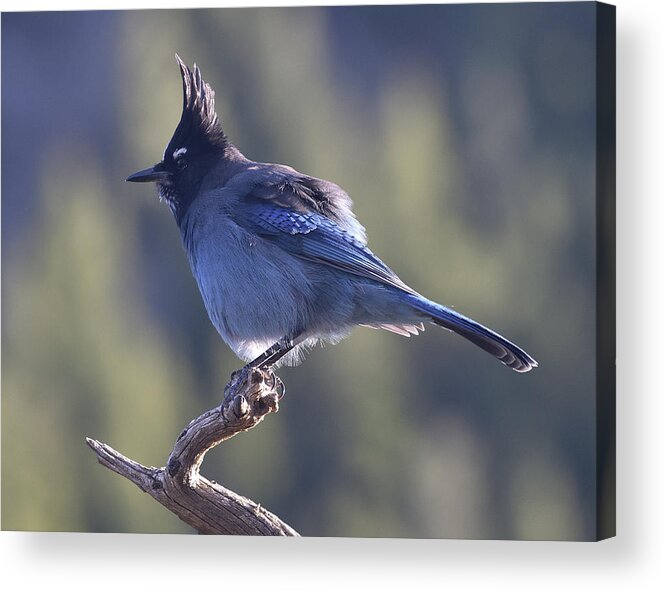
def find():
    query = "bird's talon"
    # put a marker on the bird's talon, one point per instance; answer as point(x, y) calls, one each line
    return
point(278, 387)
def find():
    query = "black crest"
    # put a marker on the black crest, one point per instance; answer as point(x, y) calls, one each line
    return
point(198, 119)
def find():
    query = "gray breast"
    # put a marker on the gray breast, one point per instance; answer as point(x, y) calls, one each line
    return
point(254, 292)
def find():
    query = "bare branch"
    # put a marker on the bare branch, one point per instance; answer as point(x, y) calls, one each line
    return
point(206, 506)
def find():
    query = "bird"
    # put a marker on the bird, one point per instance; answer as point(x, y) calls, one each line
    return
point(280, 259)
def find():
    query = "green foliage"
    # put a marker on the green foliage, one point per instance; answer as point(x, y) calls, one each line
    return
point(82, 358)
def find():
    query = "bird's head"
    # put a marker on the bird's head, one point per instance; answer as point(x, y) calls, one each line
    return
point(197, 146)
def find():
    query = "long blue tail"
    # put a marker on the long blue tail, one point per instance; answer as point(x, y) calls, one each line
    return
point(505, 351)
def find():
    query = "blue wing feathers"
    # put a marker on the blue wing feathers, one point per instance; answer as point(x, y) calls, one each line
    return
point(317, 238)
point(279, 219)
point(314, 237)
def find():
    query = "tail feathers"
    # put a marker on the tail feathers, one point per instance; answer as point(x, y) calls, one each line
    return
point(505, 351)
point(406, 330)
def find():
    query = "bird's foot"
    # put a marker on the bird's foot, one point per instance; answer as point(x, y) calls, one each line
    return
point(251, 376)
point(277, 385)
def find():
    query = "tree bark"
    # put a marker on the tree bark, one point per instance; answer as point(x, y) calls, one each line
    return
point(205, 505)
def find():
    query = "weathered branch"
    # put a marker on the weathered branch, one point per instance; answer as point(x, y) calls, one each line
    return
point(206, 506)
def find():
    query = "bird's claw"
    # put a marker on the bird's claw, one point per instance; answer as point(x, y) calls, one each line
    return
point(278, 386)
point(252, 372)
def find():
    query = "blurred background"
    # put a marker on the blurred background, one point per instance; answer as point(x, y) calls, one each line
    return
point(464, 134)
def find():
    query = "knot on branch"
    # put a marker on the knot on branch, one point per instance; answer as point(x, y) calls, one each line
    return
point(248, 398)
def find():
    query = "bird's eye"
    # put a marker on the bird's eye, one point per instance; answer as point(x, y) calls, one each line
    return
point(181, 163)
point(179, 158)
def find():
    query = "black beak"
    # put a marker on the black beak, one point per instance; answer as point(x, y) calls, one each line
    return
point(149, 175)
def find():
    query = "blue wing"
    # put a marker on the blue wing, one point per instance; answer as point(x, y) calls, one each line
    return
point(277, 185)
point(314, 237)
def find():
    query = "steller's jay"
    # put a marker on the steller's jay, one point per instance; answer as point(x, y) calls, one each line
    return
point(279, 257)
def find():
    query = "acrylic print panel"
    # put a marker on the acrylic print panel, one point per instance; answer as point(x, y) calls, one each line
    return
point(477, 144)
